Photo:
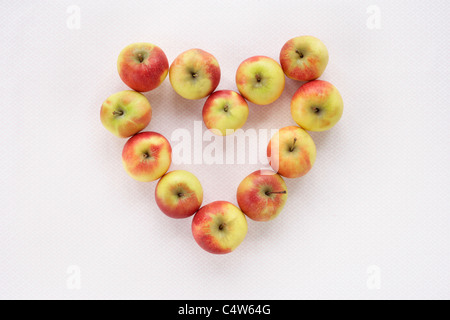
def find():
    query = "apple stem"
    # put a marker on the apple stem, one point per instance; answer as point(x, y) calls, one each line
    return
point(194, 75)
point(222, 226)
point(258, 78)
point(118, 113)
point(140, 57)
point(299, 53)
point(268, 193)
point(293, 145)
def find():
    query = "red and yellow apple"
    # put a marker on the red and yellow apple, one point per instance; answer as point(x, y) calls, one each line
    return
point(147, 156)
point(304, 58)
point(219, 227)
point(262, 195)
point(224, 112)
point(317, 106)
point(125, 113)
point(260, 80)
point(291, 152)
point(194, 74)
point(142, 66)
point(179, 194)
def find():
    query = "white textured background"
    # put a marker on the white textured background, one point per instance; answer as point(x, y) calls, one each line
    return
point(377, 196)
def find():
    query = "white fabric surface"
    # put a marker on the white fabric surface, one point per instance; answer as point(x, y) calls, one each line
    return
point(371, 220)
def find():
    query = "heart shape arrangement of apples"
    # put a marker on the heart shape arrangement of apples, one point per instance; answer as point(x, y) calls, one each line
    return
point(219, 227)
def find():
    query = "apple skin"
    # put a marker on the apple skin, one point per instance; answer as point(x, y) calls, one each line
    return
point(143, 75)
point(147, 156)
point(291, 152)
point(179, 194)
point(219, 227)
point(262, 195)
point(225, 109)
point(304, 58)
point(194, 74)
point(317, 106)
point(260, 80)
point(125, 113)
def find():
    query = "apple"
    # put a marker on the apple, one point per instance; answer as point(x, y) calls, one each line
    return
point(291, 152)
point(194, 74)
point(147, 156)
point(219, 227)
point(260, 80)
point(262, 195)
point(142, 66)
point(317, 106)
point(225, 111)
point(125, 113)
point(304, 58)
point(179, 194)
